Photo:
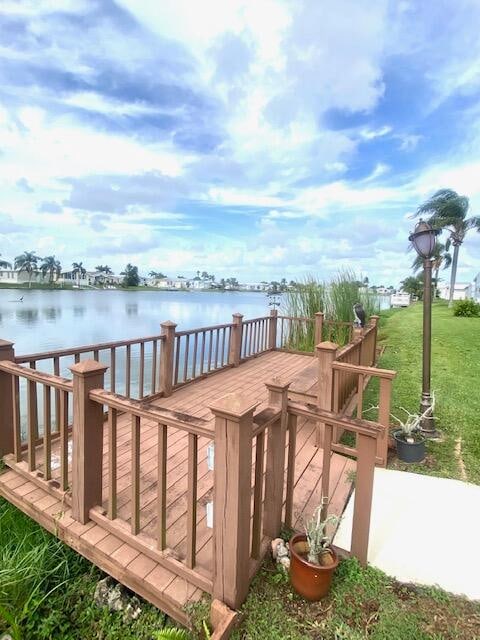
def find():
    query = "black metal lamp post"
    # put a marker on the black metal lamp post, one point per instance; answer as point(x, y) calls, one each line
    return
point(423, 239)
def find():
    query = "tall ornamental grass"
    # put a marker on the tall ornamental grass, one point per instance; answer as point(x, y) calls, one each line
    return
point(335, 298)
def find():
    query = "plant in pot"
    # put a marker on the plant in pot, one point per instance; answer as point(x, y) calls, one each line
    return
point(312, 560)
point(409, 440)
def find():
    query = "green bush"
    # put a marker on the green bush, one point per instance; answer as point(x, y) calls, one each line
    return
point(466, 309)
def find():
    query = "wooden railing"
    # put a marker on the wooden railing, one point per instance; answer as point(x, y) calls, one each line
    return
point(255, 337)
point(38, 404)
point(303, 334)
point(201, 351)
point(133, 365)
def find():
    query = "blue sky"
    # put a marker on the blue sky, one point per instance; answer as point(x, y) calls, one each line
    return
point(261, 139)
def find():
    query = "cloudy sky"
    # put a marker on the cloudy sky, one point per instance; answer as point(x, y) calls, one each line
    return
point(256, 138)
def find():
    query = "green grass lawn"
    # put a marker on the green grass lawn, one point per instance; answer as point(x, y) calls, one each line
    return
point(455, 381)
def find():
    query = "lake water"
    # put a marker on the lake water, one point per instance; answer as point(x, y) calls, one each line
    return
point(48, 320)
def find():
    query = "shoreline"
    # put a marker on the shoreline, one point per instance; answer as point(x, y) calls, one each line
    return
point(46, 287)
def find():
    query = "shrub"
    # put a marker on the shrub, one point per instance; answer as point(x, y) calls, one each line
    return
point(466, 309)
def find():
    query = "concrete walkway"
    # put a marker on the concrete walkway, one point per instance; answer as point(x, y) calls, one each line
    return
point(424, 530)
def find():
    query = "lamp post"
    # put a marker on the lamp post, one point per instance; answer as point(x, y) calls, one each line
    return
point(423, 239)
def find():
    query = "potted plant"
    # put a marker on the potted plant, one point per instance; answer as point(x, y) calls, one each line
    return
point(409, 440)
point(312, 560)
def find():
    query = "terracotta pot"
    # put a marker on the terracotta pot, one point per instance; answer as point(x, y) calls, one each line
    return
point(312, 581)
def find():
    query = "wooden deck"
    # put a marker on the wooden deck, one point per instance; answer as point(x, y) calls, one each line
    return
point(134, 560)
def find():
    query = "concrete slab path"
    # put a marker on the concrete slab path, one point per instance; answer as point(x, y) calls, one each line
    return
point(424, 530)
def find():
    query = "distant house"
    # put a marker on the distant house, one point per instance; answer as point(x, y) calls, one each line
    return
point(400, 299)
point(462, 291)
point(254, 286)
point(170, 283)
point(476, 287)
point(15, 276)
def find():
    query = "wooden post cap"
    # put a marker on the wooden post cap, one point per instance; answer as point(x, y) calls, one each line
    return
point(326, 346)
point(6, 344)
point(87, 368)
point(168, 324)
point(276, 384)
point(319, 314)
point(233, 405)
point(237, 315)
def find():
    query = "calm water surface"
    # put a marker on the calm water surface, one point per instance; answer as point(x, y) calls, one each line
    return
point(48, 320)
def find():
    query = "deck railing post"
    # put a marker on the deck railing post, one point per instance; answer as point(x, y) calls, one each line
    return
point(319, 316)
point(232, 498)
point(6, 401)
point(326, 355)
point(276, 446)
point(366, 451)
point(167, 357)
point(385, 398)
point(236, 340)
point(87, 437)
point(272, 329)
point(374, 320)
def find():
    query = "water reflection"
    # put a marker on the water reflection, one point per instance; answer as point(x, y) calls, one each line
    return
point(51, 313)
point(27, 316)
point(131, 309)
point(79, 312)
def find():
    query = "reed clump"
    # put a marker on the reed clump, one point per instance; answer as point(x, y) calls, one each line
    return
point(336, 299)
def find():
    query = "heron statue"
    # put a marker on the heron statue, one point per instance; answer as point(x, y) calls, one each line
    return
point(359, 313)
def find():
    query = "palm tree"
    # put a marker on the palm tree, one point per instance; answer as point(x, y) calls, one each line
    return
point(78, 270)
point(441, 256)
point(51, 266)
point(27, 261)
point(447, 210)
point(104, 269)
point(4, 264)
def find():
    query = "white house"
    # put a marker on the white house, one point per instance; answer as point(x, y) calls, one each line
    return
point(476, 287)
point(254, 286)
point(14, 276)
point(462, 291)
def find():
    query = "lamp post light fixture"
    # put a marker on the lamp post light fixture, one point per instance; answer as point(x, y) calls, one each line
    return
point(423, 240)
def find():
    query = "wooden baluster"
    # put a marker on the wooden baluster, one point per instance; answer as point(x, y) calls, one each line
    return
point(112, 463)
point(77, 358)
point(113, 369)
point(64, 439)
point(250, 328)
point(185, 359)
point(56, 371)
point(292, 448)
point(210, 345)
point(258, 496)
point(7, 402)
point(361, 383)
point(135, 520)
point(195, 349)
point(96, 355)
point(153, 383)
point(17, 437)
point(272, 329)
point(217, 344)
point(162, 487)
point(276, 449)
point(223, 346)
point(385, 395)
point(177, 359)
point(319, 317)
point(192, 499)
point(128, 359)
point(32, 423)
point(202, 355)
point(87, 460)
point(327, 457)
point(141, 377)
point(47, 432)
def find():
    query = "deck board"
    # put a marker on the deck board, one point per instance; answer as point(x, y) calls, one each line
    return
point(124, 561)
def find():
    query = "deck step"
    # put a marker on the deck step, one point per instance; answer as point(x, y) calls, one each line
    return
point(156, 584)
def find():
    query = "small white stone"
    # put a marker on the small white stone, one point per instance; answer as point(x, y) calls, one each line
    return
point(275, 545)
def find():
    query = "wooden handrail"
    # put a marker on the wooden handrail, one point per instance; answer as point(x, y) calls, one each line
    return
point(46, 355)
point(368, 371)
point(142, 409)
point(189, 332)
point(36, 376)
point(312, 412)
